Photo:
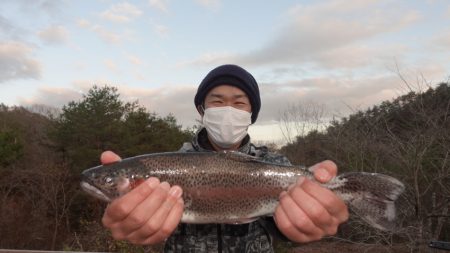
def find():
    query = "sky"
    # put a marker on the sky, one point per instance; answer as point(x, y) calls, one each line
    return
point(344, 55)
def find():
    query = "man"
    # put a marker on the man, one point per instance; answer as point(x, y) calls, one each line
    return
point(228, 100)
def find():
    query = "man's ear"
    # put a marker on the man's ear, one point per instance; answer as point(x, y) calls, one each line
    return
point(200, 110)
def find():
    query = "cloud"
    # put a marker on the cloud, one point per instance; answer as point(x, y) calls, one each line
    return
point(9, 31)
point(341, 94)
point(177, 100)
point(51, 96)
point(53, 8)
point(356, 56)
point(16, 62)
point(36, 9)
point(79, 65)
point(161, 30)
point(121, 13)
point(213, 58)
point(57, 96)
point(54, 35)
point(209, 4)
point(344, 94)
point(106, 35)
point(111, 65)
point(313, 32)
point(160, 5)
point(83, 23)
point(338, 95)
point(441, 42)
point(133, 59)
point(320, 33)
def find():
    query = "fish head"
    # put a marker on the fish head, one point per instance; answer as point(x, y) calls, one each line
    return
point(106, 182)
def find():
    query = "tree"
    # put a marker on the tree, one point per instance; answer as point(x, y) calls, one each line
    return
point(302, 125)
point(408, 138)
point(11, 147)
point(101, 121)
point(299, 119)
point(85, 128)
point(36, 189)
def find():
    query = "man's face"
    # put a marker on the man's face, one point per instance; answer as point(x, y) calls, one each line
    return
point(227, 95)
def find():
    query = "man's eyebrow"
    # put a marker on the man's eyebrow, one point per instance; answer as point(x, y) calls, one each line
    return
point(240, 96)
point(217, 95)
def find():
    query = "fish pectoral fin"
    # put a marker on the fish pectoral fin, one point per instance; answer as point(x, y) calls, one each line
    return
point(240, 221)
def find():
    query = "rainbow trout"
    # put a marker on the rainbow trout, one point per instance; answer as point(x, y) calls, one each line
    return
point(231, 187)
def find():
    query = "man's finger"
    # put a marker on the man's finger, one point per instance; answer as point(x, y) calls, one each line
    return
point(313, 209)
point(330, 201)
point(287, 228)
point(154, 225)
point(299, 219)
point(143, 214)
point(108, 157)
point(120, 208)
point(170, 224)
point(324, 171)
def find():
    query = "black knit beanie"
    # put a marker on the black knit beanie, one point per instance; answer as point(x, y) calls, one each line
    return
point(231, 75)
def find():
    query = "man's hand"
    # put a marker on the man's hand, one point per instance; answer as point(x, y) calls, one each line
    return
point(308, 211)
point(146, 215)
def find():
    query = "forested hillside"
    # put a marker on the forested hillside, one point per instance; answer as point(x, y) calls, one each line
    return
point(408, 138)
point(41, 157)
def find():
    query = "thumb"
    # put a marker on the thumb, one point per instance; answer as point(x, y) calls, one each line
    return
point(324, 171)
point(108, 157)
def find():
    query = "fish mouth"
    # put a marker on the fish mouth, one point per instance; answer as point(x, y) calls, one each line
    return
point(94, 191)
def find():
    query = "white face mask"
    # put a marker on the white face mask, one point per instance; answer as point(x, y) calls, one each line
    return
point(226, 125)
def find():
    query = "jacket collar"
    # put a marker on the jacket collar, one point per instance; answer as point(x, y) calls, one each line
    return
point(201, 142)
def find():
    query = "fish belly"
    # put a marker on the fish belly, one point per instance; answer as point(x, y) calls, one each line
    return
point(226, 212)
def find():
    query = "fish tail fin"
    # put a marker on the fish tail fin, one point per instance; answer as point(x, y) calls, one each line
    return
point(371, 196)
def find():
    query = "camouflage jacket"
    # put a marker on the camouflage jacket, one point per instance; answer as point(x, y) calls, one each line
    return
point(251, 237)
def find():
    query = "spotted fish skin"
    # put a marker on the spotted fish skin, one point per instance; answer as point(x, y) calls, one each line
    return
point(231, 187)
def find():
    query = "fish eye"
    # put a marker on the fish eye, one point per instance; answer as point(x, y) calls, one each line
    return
point(108, 180)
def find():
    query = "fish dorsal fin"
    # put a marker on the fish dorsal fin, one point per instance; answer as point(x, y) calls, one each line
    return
point(237, 156)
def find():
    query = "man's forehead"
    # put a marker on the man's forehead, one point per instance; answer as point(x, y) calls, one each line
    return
point(226, 90)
